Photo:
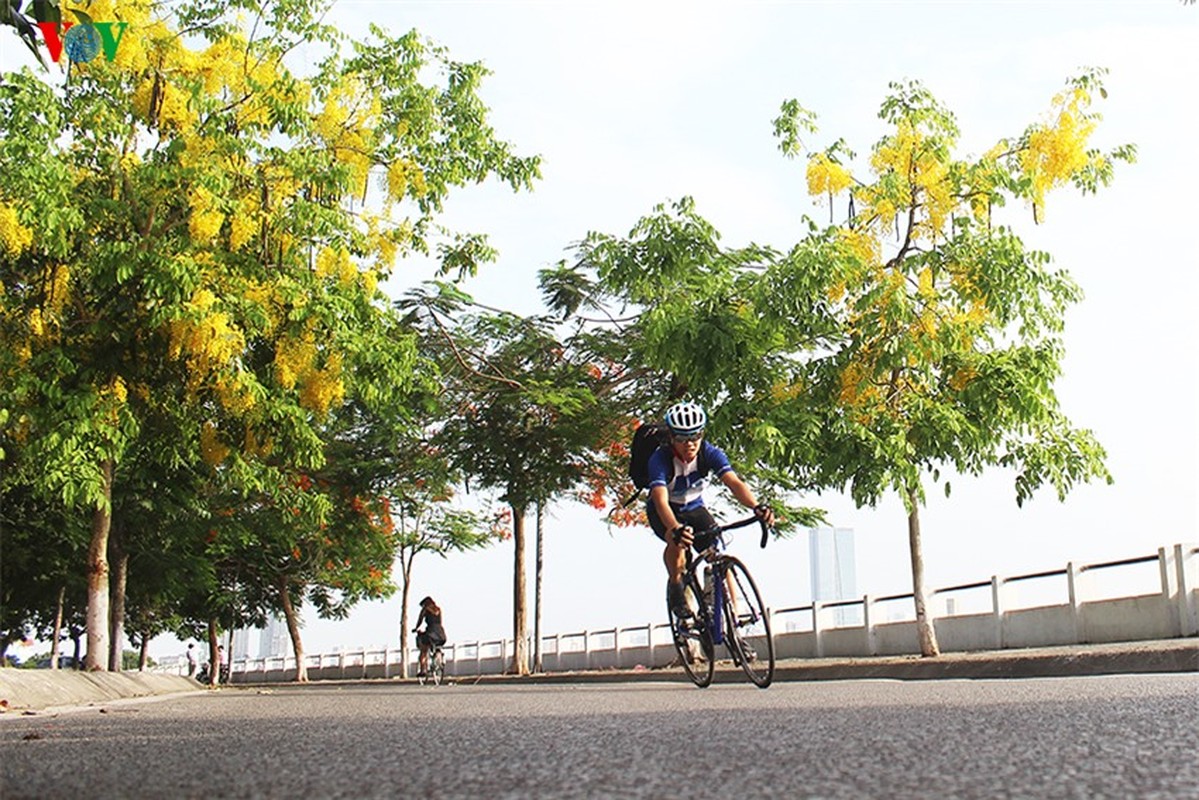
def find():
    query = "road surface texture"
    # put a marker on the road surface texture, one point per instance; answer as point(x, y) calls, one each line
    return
point(1126, 736)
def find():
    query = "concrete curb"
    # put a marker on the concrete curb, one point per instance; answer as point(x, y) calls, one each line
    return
point(1171, 655)
point(29, 691)
point(23, 690)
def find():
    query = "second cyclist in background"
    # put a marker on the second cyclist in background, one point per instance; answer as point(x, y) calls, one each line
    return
point(677, 476)
point(432, 636)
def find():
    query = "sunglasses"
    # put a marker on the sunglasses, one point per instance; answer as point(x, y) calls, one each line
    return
point(690, 437)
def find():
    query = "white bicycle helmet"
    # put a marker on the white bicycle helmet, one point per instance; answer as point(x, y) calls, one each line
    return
point(686, 419)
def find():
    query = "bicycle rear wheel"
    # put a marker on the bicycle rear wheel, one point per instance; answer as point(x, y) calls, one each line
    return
point(437, 667)
point(693, 633)
point(747, 624)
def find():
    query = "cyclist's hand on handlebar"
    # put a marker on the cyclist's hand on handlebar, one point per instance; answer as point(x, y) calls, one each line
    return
point(682, 535)
point(765, 513)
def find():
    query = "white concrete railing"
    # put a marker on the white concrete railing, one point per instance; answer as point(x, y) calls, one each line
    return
point(1079, 613)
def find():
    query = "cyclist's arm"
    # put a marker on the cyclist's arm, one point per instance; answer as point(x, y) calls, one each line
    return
point(739, 488)
point(745, 495)
point(661, 500)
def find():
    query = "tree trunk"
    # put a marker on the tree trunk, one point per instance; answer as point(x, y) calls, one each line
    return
point(406, 571)
point(924, 624)
point(143, 656)
point(293, 630)
point(97, 575)
point(120, 575)
point(54, 644)
point(520, 645)
point(540, 558)
point(214, 653)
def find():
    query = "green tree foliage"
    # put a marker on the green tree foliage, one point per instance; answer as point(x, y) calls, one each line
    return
point(915, 336)
point(672, 313)
point(948, 336)
point(182, 238)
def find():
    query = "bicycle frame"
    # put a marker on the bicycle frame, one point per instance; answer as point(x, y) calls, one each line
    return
point(714, 555)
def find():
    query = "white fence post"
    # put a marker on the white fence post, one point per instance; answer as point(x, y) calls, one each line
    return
point(649, 645)
point(817, 625)
point(587, 649)
point(1169, 580)
point(998, 609)
point(1186, 563)
point(616, 646)
point(868, 625)
point(1075, 585)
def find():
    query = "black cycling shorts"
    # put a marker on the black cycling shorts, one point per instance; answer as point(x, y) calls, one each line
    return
point(699, 519)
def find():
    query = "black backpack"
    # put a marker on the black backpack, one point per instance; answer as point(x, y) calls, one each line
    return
point(648, 437)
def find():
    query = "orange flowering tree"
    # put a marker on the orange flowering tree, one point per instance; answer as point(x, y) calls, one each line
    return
point(521, 418)
point(191, 230)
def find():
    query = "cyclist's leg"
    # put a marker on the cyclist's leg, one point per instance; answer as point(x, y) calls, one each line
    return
point(674, 557)
point(422, 641)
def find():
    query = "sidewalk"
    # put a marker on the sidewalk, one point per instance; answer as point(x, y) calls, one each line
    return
point(29, 691)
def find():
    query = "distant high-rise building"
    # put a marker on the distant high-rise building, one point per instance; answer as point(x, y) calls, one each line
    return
point(834, 570)
point(241, 644)
point(273, 642)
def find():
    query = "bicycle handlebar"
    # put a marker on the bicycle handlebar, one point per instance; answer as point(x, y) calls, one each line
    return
point(741, 523)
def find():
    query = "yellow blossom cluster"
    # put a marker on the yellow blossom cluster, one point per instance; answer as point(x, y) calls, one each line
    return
point(117, 390)
point(323, 388)
point(335, 262)
point(206, 218)
point(58, 288)
point(235, 392)
point(961, 378)
point(781, 391)
point(208, 339)
point(245, 223)
point(347, 125)
point(15, 238)
point(826, 176)
point(295, 364)
point(897, 153)
point(294, 359)
point(212, 449)
point(1057, 151)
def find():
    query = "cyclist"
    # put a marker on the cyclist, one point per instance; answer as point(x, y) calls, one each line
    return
point(677, 475)
point(432, 636)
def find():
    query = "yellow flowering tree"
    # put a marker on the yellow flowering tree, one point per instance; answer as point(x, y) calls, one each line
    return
point(191, 231)
point(946, 330)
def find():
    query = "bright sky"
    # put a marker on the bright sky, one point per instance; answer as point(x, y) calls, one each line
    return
point(633, 104)
point(636, 104)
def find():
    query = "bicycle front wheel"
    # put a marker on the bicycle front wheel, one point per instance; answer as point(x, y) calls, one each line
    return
point(692, 636)
point(747, 624)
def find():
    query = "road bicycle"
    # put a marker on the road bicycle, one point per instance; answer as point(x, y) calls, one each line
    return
point(435, 673)
point(727, 609)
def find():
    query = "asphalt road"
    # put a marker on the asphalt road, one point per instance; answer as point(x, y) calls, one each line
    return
point(1112, 736)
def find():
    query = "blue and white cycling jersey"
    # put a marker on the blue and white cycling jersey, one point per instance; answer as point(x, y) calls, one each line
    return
point(683, 482)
